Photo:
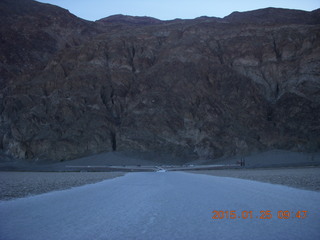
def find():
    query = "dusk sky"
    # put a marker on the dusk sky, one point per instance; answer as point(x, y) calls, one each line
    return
point(171, 9)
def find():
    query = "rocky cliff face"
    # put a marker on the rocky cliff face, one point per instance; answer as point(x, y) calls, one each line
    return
point(202, 88)
point(31, 33)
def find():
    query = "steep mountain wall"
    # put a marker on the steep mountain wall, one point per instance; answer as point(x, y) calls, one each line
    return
point(202, 88)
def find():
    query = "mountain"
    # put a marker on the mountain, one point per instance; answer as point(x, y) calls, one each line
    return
point(129, 20)
point(203, 88)
point(274, 16)
point(32, 32)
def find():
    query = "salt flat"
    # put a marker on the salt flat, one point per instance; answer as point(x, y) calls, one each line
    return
point(166, 205)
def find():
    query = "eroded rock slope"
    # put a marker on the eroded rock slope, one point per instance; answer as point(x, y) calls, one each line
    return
point(201, 88)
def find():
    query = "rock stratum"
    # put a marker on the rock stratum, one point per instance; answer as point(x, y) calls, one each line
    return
point(201, 88)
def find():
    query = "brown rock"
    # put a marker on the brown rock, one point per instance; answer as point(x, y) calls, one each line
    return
point(202, 88)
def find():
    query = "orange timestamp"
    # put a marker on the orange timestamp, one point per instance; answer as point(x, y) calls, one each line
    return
point(264, 214)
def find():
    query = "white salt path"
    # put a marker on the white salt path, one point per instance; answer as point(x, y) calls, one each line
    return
point(161, 205)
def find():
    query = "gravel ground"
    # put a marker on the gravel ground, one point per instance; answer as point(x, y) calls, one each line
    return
point(22, 184)
point(307, 178)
